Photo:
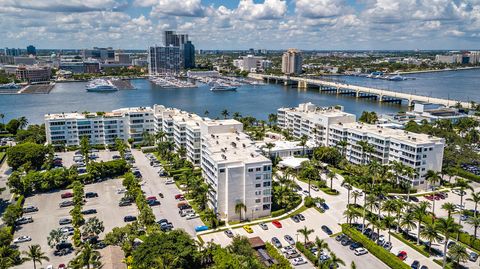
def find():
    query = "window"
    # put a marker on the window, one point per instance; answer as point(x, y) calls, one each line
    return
point(266, 207)
point(266, 199)
point(250, 170)
point(258, 192)
point(258, 169)
point(258, 185)
point(267, 184)
point(222, 170)
point(257, 201)
point(267, 168)
point(258, 177)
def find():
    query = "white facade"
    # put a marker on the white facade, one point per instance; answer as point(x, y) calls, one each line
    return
point(251, 63)
point(419, 151)
point(312, 121)
point(292, 62)
point(238, 173)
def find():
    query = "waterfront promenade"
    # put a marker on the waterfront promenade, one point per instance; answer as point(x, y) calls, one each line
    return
point(387, 96)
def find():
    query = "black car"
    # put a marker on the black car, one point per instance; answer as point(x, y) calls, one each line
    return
point(124, 203)
point(327, 230)
point(295, 219)
point(367, 232)
point(66, 203)
point(301, 217)
point(129, 218)
point(183, 207)
point(153, 202)
point(340, 237)
point(89, 211)
point(63, 245)
point(127, 199)
point(414, 199)
point(346, 242)
point(355, 245)
point(415, 264)
point(91, 195)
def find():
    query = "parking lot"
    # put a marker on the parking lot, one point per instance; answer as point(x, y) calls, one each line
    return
point(313, 220)
point(152, 185)
point(46, 219)
point(102, 155)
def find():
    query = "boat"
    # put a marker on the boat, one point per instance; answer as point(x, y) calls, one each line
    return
point(101, 85)
point(397, 77)
point(222, 88)
point(9, 86)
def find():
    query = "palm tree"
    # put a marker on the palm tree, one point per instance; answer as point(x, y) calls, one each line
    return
point(303, 143)
point(239, 207)
point(225, 113)
point(206, 113)
point(430, 234)
point(347, 183)
point(237, 115)
point(272, 118)
point(86, 257)
point(35, 255)
point(305, 232)
point(458, 254)
point(343, 145)
point(355, 195)
point(334, 261)
point(448, 227)
point(410, 173)
point(475, 198)
point(433, 178)
point(366, 147)
point(388, 222)
point(269, 146)
point(93, 226)
point(420, 211)
point(462, 185)
point(23, 122)
point(2, 116)
point(56, 236)
point(449, 207)
point(160, 136)
point(321, 245)
point(210, 216)
point(331, 175)
point(351, 215)
point(399, 205)
point(408, 221)
point(475, 223)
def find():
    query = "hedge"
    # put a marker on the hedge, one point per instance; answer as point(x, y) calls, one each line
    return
point(465, 174)
point(3, 148)
point(282, 262)
point(278, 213)
point(2, 157)
point(410, 244)
point(385, 256)
point(306, 252)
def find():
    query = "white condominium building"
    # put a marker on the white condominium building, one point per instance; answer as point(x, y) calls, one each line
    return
point(312, 121)
point(101, 128)
point(238, 173)
point(419, 151)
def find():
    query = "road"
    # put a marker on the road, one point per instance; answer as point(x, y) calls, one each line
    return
point(153, 184)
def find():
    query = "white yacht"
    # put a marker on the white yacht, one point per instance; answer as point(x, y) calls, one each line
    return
point(9, 86)
point(396, 77)
point(101, 85)
point(222, 88)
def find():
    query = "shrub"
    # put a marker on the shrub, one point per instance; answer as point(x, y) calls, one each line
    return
point(27, 153)
point(309, 201)
point(462, 173)
point(283, 262)
point(278, 213)
point(306, 252)
point(385, 256)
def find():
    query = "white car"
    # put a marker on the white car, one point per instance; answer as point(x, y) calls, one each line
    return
point(169, 181)
point(287, 249)
point(360, 251)
point(315, 188)
point(192, 216)
point(21, 239)
point(121, 190)
point(299, 261)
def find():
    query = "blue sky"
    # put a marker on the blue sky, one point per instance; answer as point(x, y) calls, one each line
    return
point(235, 24)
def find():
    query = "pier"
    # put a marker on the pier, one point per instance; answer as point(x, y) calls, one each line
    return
point(384, 96)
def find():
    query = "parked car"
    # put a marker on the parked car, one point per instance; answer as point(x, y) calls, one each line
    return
point(179, 197)
point(346, 242)
point(292, 254)
point(473, 257)
point(121, 190)
point(301, 217)
point(229, 233)
point(276, 242)
point(277, 224)
point(153, 202)
point(326, 230)
point(66, 203)
point(387, 245)
point(124, 203)
point(65, 221)
point(129, 218)
point(415, 264)
point(22, 239)
point(289, 239)
point(299, 261)
point(151, 198)
point(340, 237)
point(248, 229)
point(66, 195)
point(295, 219)
point(169, 181)
point(360, 251)
point(402, 255)
point(192, 216)
point(23, 220)
point(355, 245)
point(160, 195)
point(315, 188)
point(91, 195)
point(201, 228)
point(89, 211)
point(287, 249)
point(263, 226)
point(30, 209)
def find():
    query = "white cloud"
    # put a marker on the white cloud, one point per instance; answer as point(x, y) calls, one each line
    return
point(186, 8)
point(65, 6)
point(268, 10)
point(315, 9)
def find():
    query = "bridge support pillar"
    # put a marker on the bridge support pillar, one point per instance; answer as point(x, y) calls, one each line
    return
point(338, 90)
point(357, 94)
point(302, 84)
point(410, 102)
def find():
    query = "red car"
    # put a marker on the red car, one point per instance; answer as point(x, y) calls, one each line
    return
point(402, 255)
point(429, 197)
point(66, 195)
point(152, 198)
point(277, 224)
point(179, 197)
point(62, 266)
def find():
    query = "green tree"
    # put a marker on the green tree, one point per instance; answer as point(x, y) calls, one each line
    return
point(305, 232)
point(93, 226)
point(56, 236)
point(475, 198)
point(225, 113)
point(85, 147)
point(420, 211)
point(239, 208)
point(458, 254)
point(448, 227)
point(86, 257)
point(430, 234)
point(12, 126)
point(321, 245)
point(29, 155)
point(23, 122)
point(449, 207)
point(272, 119)
point(35, 254)
point(475, 223)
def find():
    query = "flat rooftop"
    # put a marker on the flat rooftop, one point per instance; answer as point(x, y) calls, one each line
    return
point(414, 138)
point(233, 147)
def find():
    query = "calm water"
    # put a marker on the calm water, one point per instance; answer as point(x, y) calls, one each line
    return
point(257, 101)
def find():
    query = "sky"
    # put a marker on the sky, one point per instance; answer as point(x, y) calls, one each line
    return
point(243, 24)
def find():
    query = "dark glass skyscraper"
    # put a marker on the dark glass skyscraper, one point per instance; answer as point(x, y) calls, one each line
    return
point(31, 50)
point(188, 55)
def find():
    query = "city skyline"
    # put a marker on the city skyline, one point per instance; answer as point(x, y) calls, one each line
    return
point(269, 24)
